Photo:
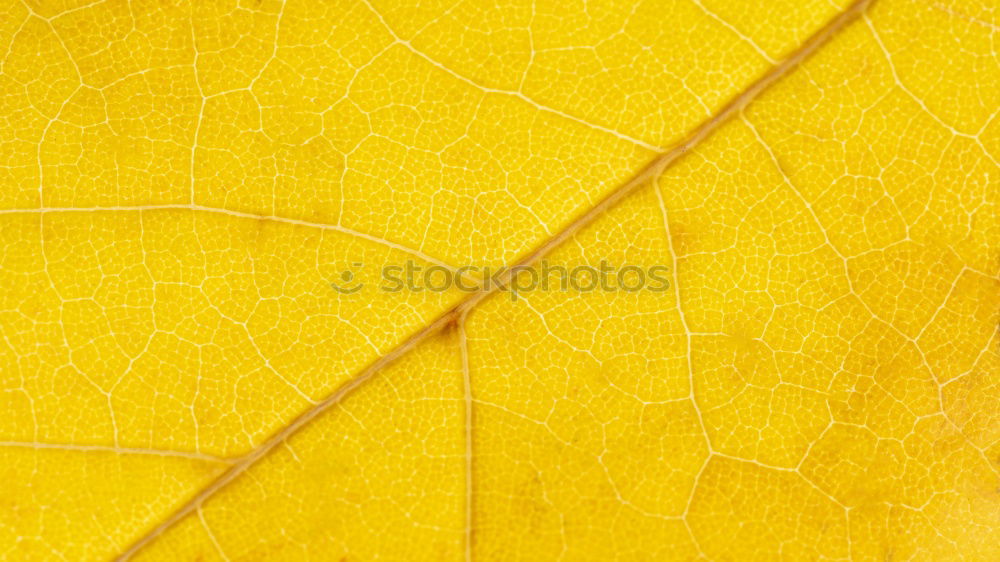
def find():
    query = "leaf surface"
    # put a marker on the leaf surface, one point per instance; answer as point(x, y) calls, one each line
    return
point(183, 181)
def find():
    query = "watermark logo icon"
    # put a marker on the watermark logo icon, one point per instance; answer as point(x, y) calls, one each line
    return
point(346, 283)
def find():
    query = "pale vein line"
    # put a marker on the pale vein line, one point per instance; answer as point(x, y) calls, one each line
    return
point(469, 420)
point(690, 367)
point(112, 449)
point(242, 215)
point(69, 11)
point(680, 313)
point(519, 95)
point(746, 39)
point(909, 93)
point(211, 535)
point(242, 464)
point(201, 105)
point(966, 17)
point(455, 313)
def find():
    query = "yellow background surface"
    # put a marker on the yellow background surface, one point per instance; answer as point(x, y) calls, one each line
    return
point(181, 181)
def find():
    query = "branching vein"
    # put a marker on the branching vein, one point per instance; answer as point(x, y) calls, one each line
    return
point(450, 317)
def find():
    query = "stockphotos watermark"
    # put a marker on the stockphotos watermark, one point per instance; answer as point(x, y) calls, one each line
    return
point(516, 280)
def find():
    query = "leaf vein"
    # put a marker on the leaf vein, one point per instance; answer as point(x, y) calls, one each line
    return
point(650, 172)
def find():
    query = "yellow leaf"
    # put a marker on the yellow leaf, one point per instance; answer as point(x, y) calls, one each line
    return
point(200, 359)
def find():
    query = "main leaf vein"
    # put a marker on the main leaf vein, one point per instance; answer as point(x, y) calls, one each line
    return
point(453, 315)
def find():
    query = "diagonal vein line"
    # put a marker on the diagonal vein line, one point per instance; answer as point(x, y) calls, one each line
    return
point(238, 214)
point(453, 315)
point(463, 344)
point(407, 43)
point(116, 450)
